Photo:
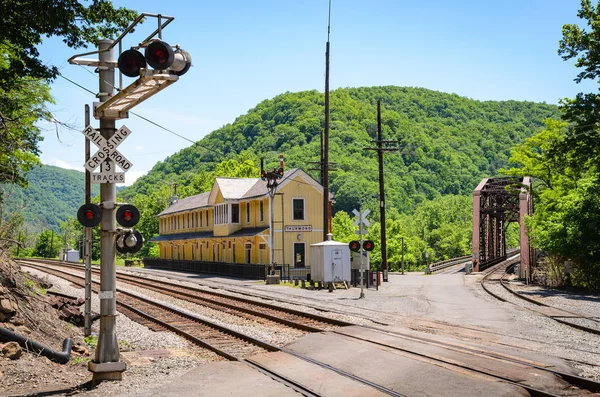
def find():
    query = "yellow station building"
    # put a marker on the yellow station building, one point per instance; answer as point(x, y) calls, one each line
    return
point(230, 224)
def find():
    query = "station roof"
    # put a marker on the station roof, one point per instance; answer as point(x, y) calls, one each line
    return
point(247, 232)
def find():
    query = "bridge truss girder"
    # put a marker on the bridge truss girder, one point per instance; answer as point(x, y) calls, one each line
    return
point(496, 203)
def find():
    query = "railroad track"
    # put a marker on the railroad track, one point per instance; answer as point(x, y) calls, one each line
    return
point(241, 307)
point(158, 316)
point(230, 344)
point(238, 347)
point(498, 275)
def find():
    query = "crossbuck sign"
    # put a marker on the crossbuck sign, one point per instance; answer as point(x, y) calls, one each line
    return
point(360, 220)
point(108, 155)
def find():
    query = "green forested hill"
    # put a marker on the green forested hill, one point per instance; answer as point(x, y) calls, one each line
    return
point(448, 142)
point(53, 195)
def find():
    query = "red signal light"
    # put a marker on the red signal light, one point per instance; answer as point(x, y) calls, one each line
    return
point(127, 215)
point(159, 55)
point(368, 245)
point(130, 62)
point(89, 215)
point(354, 245)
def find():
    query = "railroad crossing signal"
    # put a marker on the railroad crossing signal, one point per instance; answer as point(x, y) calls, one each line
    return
point(128, 215)
point(159, 55)
point(129, 242)
point(89, 215)
point(354, 245)
point(368, 245)
point(107, 155)
point(107, 148)
point(361, 218)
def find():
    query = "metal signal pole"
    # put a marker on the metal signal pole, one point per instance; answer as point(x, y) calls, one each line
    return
point(380, 149)
point(107, 365)
point(87, 311)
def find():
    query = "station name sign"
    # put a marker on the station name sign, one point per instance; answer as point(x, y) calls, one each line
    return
point(303, 228)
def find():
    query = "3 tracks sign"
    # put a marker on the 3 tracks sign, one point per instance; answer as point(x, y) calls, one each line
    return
point(107, 156)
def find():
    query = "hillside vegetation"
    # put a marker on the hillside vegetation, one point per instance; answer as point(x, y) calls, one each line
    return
point(53, 195)
point(448, 143)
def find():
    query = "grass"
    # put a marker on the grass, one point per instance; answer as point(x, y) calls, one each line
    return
point(80, 360)
point(91, 341)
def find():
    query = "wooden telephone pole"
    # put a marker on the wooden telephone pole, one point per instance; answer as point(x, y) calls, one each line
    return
point(380, 150)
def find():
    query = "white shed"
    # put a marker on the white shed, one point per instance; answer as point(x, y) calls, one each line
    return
point(330, 261)
point(72, 256)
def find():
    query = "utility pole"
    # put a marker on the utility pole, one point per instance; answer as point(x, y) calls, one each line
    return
point(403, 255)
point(107, 365)
point(87, 309)
point(380, 149)
point(325, 150)
point(51, 243)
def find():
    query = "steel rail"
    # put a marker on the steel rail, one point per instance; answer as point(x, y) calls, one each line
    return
point(220, 328)
point(533, 301)
point(298, 387)
point(579, 381)
point(299, 313)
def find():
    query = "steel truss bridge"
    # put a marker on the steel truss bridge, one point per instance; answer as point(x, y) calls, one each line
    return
point(496, 203)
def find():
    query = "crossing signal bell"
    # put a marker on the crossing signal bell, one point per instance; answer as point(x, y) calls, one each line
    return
point(89, 215)
point(368, 245)
point(130, 242)
point(354, 246)
point(159, 55)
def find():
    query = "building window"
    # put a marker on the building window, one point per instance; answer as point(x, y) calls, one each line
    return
point(298, 208)
point(234, 256)
point(261, 211)
point(235, 213)
point(221, 214)
point(247, 212)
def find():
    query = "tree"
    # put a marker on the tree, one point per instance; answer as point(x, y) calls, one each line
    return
point(21, 106)
point(565, 158)
point(581, 146)
point(24, 24)
point(343, 227)
point(47, 245)
point(24, 78)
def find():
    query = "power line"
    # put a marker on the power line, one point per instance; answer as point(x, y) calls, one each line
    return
point(150, 121)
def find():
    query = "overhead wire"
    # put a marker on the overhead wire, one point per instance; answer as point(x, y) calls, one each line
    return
point(148, 120)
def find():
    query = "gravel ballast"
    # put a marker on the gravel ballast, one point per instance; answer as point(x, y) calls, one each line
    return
point(527, 330)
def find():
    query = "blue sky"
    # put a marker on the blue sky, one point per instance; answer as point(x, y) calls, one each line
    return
point(247, 51)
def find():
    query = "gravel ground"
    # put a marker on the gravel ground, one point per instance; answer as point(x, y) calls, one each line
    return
point(581, 349)
point(135, 337)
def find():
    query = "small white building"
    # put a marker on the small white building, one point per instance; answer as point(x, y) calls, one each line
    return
point(330, 261)
point(72, 256)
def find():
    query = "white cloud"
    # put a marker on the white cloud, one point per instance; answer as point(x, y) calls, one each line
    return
point(63, 164)
point(139, 148)
point(132, 176)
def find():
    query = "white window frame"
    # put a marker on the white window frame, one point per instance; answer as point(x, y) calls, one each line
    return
point(303, 208)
